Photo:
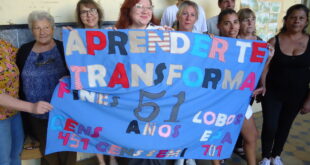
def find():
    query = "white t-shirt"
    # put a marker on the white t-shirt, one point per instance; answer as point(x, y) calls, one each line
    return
point(170, 13)
point(152, 26)
point(212, 25)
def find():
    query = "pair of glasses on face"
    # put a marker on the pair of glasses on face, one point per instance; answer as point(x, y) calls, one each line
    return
point(139, 6)
point(91, 11)
point(40, 60)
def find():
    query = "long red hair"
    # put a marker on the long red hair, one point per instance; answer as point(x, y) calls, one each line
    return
point(124, 20)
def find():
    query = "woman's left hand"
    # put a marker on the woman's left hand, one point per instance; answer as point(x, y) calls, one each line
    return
point(259, 91)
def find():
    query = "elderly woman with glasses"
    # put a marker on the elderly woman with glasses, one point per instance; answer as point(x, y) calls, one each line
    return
point(41, 64)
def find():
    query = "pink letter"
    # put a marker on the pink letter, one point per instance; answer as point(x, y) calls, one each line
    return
point(77, 80)
point(249, 82)
point(215, 49)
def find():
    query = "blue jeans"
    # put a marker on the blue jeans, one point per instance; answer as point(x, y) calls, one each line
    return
point(11, 140)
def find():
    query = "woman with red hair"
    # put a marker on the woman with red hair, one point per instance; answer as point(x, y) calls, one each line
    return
point(137, 14)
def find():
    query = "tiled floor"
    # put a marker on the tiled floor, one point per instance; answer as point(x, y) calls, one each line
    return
point(296, 150)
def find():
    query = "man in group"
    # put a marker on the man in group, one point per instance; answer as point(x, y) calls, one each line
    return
point(169, 17)
point(212, 22)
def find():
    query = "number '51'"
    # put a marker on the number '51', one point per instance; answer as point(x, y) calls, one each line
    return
point(155, 107)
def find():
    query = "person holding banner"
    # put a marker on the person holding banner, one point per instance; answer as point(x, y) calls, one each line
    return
point(12, 139)
point(247, 20)
point(186, 17)
point(170, 16)
point(138, 14)
point(89, 15)
point(229, 26)
point(41, 63)
point(286, 85)
point(247, 30)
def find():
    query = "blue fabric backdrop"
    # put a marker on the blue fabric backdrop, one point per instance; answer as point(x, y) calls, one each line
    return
point(153, 94)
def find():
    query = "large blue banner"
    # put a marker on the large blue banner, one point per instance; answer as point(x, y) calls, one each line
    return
point(153, 94)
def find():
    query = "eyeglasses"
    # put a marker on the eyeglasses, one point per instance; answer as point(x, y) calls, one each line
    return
point(91, 11)
point(139, 6)
point(40, 60)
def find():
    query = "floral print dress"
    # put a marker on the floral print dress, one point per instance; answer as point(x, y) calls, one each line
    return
point(9, 76)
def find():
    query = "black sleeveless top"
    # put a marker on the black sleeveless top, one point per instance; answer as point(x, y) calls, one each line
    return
point(289, 76)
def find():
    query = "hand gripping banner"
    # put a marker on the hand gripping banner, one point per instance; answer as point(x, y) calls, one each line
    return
point(153, 94)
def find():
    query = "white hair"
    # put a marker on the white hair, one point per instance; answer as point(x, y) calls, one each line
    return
point(40, 15)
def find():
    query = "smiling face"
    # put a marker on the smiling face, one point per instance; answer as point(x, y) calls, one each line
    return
point(42, 31)
point(229, 26)
point(89, 16)
point(297, 21)
point(141, 14)
point(247, 25)
point(187, 18)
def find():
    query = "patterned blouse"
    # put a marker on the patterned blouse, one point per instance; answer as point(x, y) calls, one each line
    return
point(9, 75)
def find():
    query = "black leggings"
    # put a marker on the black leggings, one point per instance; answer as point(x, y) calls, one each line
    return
point(278, 116)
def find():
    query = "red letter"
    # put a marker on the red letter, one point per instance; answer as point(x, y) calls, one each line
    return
point(85, 141)
point(65, 138)
point(207, 149)
point(91, 45)
point(256, 52)
point(162, 153)
point(249, 82)
point(77, 80)
point(69, 125)
point(119, 76)
point(62, 89)
point(221, 51)
point(96, 132)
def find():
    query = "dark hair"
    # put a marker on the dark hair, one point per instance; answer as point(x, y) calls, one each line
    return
point(88, 3)
point(224, 13)
point(124, 20)
point(220, 1)
point(181, 7)
point(290, 11)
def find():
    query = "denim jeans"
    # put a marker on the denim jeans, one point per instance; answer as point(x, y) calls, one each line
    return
point(11, 140)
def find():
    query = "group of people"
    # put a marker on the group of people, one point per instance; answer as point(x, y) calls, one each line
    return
point(30, 74)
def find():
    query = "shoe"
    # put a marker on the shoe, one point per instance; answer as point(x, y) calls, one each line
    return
point(190, 162)
point(240, 152)
point(276, 161)
point(265, 161)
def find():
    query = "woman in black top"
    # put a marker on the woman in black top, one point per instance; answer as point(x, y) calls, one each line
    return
point(286, 84)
